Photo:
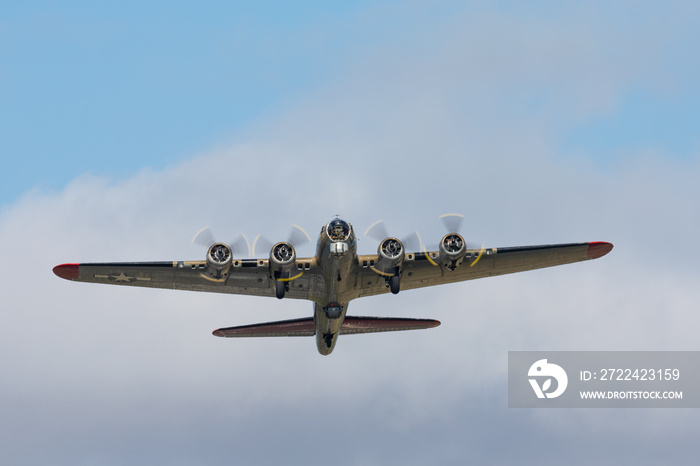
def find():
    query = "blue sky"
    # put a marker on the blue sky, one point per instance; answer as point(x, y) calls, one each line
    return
point(128, 127)
point(109, 90)
point(666, 125)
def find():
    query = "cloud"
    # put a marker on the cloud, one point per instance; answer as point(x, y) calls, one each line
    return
point(114, 375)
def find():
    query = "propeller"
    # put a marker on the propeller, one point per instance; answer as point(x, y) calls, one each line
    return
point(378, 231)
point(239, 247)
point(297, 237)
point(452, 222)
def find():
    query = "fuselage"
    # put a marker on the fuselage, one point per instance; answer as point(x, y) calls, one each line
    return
point(336, 255)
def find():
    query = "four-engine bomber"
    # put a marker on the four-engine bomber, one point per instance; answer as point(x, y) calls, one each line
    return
point(333, 277)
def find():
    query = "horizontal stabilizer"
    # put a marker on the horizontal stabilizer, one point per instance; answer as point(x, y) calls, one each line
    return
point(305, 327)
point(383, 324)
point(284, 328)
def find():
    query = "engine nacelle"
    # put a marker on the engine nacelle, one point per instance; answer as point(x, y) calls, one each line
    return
point(282, 260)
point(452, 250)
point(219, 259)
point(391, 254)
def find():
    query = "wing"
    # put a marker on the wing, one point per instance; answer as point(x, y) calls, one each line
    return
point(246, 277)
point(419, 270)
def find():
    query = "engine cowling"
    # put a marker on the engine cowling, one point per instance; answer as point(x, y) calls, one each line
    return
point(452, 250)
point(219, 258)
point(282, 263)
point(282, 260)
point(391, 255)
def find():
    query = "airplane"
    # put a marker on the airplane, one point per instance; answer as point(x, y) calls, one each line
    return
point(333, 277)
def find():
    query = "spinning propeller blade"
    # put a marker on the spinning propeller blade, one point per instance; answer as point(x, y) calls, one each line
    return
point(204, 237)
point(378, 231)
point(453, 222)
point(297, 237)
point(239, 246)
point(414, 242)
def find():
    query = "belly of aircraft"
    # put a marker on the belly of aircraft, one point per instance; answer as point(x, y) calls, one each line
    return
point(330, 309)
point(328, 320)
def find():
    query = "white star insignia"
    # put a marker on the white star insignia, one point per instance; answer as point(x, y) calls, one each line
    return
point(121, 278)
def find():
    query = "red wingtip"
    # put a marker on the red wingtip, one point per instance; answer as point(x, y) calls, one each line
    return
point(598, 249)
point(67, 271)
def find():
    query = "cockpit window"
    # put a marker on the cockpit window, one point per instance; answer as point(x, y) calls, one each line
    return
point(338, 230)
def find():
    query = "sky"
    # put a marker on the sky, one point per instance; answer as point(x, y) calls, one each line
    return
point(125, 128)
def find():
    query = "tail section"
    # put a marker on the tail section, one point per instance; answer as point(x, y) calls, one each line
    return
point(305, 327)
